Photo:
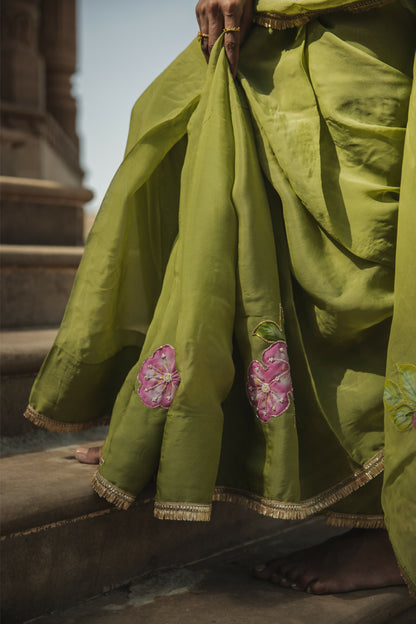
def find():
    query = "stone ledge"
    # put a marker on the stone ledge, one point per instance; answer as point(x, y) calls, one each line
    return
point(221, 589)
point(41, 212)
point(40, 256)
point(45, 487)
point(23, 351)
point(42, 191)
point(62, 543)
point(37, 281)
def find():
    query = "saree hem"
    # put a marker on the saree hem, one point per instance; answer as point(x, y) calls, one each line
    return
point(111, 493)
point(355, 521)
point(410, 587)
point(191, 512)
point(309, 506)
point(201, 512)
point(281, 21)
point(284, 510)
point(62, 427)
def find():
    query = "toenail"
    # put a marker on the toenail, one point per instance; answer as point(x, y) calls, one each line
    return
point(308, 589)
point(260, 568)
point(294, 586)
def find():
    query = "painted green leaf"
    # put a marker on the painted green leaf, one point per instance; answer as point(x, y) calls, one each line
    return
point(403, 417)
point(392, 395)
point(408, 381)
point(269, 331)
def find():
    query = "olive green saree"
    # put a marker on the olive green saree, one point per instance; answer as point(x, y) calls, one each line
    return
point(242, 304)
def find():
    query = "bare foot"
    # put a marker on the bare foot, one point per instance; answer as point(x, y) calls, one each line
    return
point(88, 455)
point(359, 559)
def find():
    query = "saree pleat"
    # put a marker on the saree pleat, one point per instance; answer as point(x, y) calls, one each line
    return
point(233, 308)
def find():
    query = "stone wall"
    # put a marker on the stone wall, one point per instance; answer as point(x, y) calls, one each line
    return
point(38, 112)
point(41, 192)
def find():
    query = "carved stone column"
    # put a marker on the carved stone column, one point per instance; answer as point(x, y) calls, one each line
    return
point(22, 67)
point(58, 46)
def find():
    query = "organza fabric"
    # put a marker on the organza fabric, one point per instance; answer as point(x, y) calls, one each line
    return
point(249, 285)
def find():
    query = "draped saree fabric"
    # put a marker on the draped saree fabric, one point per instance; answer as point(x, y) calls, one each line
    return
point(242, 304)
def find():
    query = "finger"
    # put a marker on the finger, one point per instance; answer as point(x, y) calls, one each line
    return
point(202, 17)
point(215, 26)
point(246, 21)
point(232, 19)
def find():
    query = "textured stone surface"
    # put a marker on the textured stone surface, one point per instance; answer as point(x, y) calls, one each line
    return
point(36, 283)
point(15, 391)
point(62, 543)
point(24, 351)
point(38, 110)
point(21, 356)
point(41, 212)
point(221, 590)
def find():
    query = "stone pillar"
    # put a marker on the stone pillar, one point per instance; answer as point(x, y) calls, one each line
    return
point(22, 67)
point(58, 47)
point(42, 197)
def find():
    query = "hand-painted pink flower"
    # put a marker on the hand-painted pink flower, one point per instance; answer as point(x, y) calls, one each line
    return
point(269, 384)
point(158, 378)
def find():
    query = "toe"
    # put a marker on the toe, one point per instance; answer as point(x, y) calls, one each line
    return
point(297, 578)
point(278, 579)
point(81, 455)
point(266, 570)
point(88, 455)
point(285, 582)
point(259, 570)
point(303, 580)
point(317, 587)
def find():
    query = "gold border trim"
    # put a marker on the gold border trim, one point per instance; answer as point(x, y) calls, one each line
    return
point(281, 21)
point(310, 506)
point(191, 512)
point(267, 507)
point(411, 588)
point(54, 425)
point(118, 497)
point(355, 521)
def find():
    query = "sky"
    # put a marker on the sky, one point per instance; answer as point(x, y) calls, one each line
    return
point(122, 47)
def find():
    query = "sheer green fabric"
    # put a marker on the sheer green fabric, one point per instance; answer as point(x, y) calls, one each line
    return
point(235, 201)
point(293, 7)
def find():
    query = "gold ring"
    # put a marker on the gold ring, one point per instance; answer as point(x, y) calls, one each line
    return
point(231, 29)
point(202, 35)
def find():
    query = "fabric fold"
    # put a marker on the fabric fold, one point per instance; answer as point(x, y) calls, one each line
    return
point(282, 14)
point(233, 308)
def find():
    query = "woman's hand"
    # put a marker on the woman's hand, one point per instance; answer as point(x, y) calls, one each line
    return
point(215, 15)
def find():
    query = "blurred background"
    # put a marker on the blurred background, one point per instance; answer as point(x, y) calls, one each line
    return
point(71, 71)
point(122, 47)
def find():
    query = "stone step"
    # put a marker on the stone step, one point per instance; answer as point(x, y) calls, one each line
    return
point(21, 355)
point(41, 212)
point(221, 590)
point(62, 543)
point(36, 283)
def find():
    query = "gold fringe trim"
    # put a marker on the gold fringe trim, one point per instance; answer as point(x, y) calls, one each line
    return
point(310, 506)
point(356, 521)
point(410, 587)
point(196, 512)
point(61, 427)
point(281, 21)
point(119, 498)
point(192, 512)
